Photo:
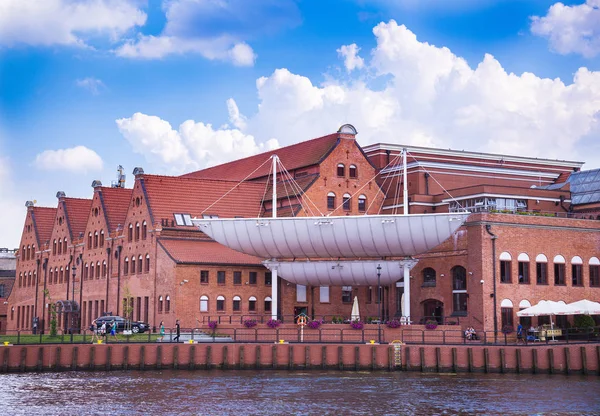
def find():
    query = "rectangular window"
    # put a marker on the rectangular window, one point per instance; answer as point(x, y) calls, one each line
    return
point(236, 305)
point(179, 219)
point(237, 278)
point(505, 271)
point(146, 304)
point(594, 275)
point(370, 294)
point(559, 274)
point(541, 273)
point(577, 272)
point(252, 305)
point(268, 277)
point(221, 277)
point(346, 203)
point(507, 317)
point(300, 293)
point(267, 305)
point(220, 305)
point(187, 220)
point(347, 294)
point(252, 278)
point(203, 304)
point(460, 303)
point(203, 276)
point(324, 294)
point(524, 272)
point(362, 204)
point(330, 201)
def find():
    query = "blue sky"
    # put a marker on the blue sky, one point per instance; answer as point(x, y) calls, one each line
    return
point(178, 85)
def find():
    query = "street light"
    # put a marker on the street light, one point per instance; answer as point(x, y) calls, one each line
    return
point(379, 301)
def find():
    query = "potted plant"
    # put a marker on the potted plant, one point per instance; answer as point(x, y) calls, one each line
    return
point(431, 324)
point(273, 323)
point(314, 324)
point(250, 323)
point(357, 324)
point(213, 326)
point(394, 323)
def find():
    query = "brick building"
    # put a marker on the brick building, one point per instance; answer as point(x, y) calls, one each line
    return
point(8, 267)
point(135, 251)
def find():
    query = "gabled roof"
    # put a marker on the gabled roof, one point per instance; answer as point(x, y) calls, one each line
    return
point(205, 252)
point(43, 223)
point(77, 213)
point(115, 202)
point(292, 157)
point(288, 189)
point(168, 195)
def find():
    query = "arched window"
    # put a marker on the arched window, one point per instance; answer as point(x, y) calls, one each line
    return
point(147, 269)
point(101, 238)
point(56, 275)
point(505, 266)
point(49, 280)
point(346, 202)
point(130, 233)
point(160, 304)
point(459, 290)
point(32, 250)
point(23, 253)
point(341, 170)
point(137, 231)
point(61, 277)
point(139, 269)
point(54, 244)
point(28, 252)
point(144, 230)
point(594, 265)
point(541, 269)
point(362, 203)
point(90, 240)
point(252, 304)
point(126, 266)
point(168, 304)
point(523, 267)
point(96, 239)
point(59, 246)
point(506, 308)
point(577, 271)
point(429, 277)
point(92, 270)
point(220, 303)
point(330, 200)
point(133, 259)
point(203, 303)
point(85, 272)
point(268, 304)
point(29, 279)
point(65, 244)
point(352, 171)
point(559, 271)
point(237, 301)
point(98, 270)
point(104, 270)
point(525, 320)
point(33, 282)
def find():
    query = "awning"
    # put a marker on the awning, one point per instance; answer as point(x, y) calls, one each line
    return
point(341, 273)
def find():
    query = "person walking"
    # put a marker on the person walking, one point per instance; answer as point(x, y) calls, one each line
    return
point(113, 331)
point(520, 334)
point(95, 330)
point(161, 331)
point(177, 331)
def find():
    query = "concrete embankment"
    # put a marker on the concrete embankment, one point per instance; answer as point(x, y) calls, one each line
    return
point(547, 359)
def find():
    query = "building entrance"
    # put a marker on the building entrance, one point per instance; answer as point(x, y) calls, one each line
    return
point(433, 309)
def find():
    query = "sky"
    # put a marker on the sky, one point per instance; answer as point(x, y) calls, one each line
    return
point(178, 85)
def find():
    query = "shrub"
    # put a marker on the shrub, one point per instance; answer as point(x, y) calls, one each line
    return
point(394, 323)
point(273, 323)
point(357, 325)
point(314, 324)
point(250, 323)
point(212, 325)
point(431, 324)
point(584, 321)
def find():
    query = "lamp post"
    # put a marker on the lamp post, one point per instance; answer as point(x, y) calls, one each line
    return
point(488, 228)
point(379, 301)
point(73, 272)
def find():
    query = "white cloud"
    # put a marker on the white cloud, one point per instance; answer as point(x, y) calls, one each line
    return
point(351, 59)
point(431, 97)
point(194, 145)
point(91, 84)
point(12, 208)
point(571, 29)
point(76, 159)
point(65, 22)
point(242, 54)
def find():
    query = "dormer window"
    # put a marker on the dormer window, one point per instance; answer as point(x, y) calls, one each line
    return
point(183, 220)
point(341, 170)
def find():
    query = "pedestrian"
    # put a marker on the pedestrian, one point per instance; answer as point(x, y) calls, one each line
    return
point(103, 330)
point(177, 331)
point(520, 333)
point(95, 330)
point(113, 330)
point(161, 329)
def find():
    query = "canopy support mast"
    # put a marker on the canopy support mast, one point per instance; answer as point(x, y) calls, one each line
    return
point(406, 274)
point(274, 278)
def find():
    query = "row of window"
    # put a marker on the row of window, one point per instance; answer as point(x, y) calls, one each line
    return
point(88, 315)
point(24, 316)
point(346, 202)
point(559, 269)
point(139, 230)
point(95, 240)
point(97, 270)
point(352, 171)
point(26, 279)
point(28, 253)
point(236, 304)
point(129, 264)
point(237, 277)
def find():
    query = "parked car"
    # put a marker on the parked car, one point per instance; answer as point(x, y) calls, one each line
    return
point(122, 324)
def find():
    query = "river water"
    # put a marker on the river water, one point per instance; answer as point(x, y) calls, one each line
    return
point(301, 393)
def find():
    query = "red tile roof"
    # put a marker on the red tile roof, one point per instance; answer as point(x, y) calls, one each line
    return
point(170, 194)
point(292, 157)
point(116, 204)
point(205, 252)
point(77, 212)
point(287, 189)
point(43, 220)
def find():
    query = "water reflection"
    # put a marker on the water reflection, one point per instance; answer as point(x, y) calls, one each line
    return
point(318, 393)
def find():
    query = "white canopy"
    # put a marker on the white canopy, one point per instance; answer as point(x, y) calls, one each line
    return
point(355, 315)
point(586, 307)
point(339, 273)
point(331, 237)
point(548, 307)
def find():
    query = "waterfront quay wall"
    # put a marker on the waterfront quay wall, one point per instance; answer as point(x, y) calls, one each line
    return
point(540, 359)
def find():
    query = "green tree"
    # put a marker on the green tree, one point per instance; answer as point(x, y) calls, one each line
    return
point(53, 314)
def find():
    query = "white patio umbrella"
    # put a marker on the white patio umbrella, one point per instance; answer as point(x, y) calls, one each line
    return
point(549, 308)
point(355, 315)
point(586, 307)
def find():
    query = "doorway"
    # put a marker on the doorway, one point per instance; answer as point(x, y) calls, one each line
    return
point(433, 309)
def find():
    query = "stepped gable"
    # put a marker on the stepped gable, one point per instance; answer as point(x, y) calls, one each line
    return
point(296, 156)
point(77, 212)
point(168, 195)
point(206, 252)
point(116, 204)
point(43, 220)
